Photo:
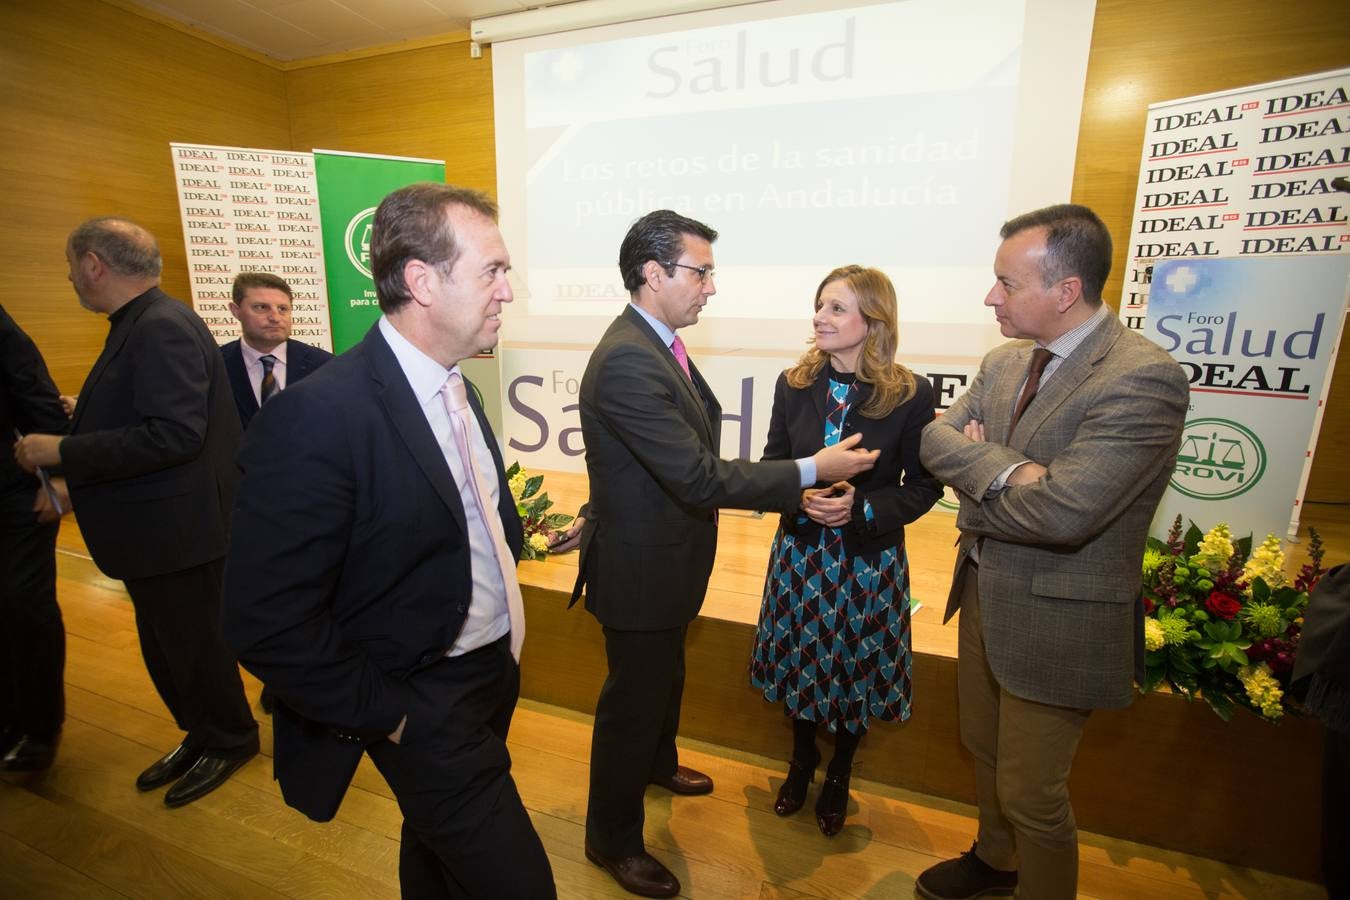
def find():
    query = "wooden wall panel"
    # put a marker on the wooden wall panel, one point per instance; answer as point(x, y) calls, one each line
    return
point(91, 97)
point(1147, 51)
point(433, 102)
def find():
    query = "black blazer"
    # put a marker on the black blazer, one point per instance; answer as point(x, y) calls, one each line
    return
point(656, 478)
point(301, 359)
point(150, 458)
point(898, 486)
point(30, 403)
point(349, 565)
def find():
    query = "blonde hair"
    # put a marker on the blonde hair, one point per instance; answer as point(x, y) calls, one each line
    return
point(892, 384)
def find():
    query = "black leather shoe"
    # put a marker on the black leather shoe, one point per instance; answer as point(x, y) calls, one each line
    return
point(964, 878)
point(641, 874)
point(209, 773)
point(685, 781)
point(832, 805)
point(170, 767)
point(31, 753)
point(792, 795)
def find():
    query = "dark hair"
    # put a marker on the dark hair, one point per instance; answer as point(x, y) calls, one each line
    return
point(1076, 243)
point(245, 280)
point(411, 224)
point(125, 247)
point(658, 235)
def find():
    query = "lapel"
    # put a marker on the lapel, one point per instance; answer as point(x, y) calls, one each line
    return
point(406, 415)
point(117, 338)
point(1072, 372)
point(687, 383)
point(239, 383)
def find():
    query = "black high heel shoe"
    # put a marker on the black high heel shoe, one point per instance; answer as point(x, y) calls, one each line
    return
point(792, 795)
point(832, 805)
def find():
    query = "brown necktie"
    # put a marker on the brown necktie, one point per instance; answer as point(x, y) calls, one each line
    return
point(1040, 357)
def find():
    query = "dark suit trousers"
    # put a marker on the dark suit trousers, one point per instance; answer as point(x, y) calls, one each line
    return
point(636, 719)
point(465, 830)
point(178, 619)
point(33, 648)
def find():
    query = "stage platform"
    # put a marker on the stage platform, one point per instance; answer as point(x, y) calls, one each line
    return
point(1163, 772)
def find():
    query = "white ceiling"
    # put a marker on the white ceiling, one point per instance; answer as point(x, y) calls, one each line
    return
point(289, 30)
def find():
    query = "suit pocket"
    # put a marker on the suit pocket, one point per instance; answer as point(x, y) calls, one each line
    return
point(1069, 585)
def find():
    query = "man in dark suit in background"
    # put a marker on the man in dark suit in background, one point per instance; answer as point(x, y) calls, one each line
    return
point(150, 465)
point(265, 359)
point(652, 428)
point(1060, 451)
point(371, 582)
point(33, 648)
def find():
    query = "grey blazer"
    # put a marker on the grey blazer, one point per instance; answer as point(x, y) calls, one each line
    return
point(1059, 566)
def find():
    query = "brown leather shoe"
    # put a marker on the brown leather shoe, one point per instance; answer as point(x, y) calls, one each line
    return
point(642, 874)
point(685, 781)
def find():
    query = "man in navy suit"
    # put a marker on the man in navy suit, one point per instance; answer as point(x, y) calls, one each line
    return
point(265, 359)
point(371, 577)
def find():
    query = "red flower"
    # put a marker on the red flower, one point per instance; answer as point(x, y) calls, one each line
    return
point(1222, 605)
point(1149, 606)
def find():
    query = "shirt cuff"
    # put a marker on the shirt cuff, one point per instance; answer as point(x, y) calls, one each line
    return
point(806, 468)
point(1000, 484)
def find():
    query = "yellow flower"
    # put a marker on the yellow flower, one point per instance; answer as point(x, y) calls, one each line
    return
point(1262, 689)
point(517, 483)
point(1154, 639)
point(1215, 549)
point(1152, 559)
point(1267, 563)
point(539, 542)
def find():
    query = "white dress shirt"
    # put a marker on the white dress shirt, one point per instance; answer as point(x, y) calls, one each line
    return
point(254, 367)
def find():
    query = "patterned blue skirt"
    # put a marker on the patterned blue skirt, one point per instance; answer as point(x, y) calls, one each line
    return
point(833, 637)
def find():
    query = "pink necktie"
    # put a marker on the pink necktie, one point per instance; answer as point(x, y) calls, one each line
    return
point(457, 405)
point(681, 356)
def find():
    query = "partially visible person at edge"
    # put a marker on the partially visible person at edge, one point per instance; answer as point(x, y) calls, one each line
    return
point(835, 650)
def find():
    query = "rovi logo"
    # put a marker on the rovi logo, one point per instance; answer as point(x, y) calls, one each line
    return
point(1218, 459)
point(357, 240)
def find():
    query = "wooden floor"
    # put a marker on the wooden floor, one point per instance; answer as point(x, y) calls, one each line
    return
point(82, 830)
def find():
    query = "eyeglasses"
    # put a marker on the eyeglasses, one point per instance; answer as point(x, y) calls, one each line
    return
point(703, 272)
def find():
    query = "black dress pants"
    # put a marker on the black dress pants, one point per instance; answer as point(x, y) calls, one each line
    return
point(636, 719)
point(196, 675)
point(466, 833)
point(33, 648)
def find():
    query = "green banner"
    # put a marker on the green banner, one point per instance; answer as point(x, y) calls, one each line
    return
point(350, 186)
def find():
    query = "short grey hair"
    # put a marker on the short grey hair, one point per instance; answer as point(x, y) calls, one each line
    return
point(125, 247)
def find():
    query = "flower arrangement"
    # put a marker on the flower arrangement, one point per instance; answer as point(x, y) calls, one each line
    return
point(533, 504)
point(1222, 620)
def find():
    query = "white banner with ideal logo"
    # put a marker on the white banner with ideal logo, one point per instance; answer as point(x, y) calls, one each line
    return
point(1257, 338)
point(1245, 172)
point(249, 210)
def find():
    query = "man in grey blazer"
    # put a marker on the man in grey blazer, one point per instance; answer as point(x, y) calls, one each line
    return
point(1059, 472)
point(652, 427)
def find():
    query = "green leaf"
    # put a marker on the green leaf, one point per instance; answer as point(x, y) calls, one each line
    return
point(531, 486)
point(1220, 702)
point(1193, 538)
point(1152, 678)
point(1153, 543)
point(1260, 590)
point(511, 472)
point(554, 521)
point(1242, 548)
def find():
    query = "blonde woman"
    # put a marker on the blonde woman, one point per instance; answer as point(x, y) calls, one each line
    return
point(833, 638)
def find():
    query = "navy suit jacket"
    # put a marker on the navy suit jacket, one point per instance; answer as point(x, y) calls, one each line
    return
point(349, 566)
point(301, 360)
point(898, 487)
